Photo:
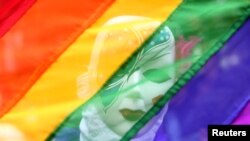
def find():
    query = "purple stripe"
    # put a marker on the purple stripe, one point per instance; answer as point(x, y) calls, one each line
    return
point(215, 95)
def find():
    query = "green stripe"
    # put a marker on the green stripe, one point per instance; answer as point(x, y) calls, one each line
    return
point(73, 120)
point(232, 15)
point(218, 25)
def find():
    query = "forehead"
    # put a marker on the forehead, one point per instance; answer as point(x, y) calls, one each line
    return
point(123, 36)
point(118, 43)
point(163, 61)
point(159, 52)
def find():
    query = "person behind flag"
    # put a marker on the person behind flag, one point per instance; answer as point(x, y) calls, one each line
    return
point(133, 91)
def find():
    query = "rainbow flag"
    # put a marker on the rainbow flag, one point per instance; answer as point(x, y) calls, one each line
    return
point(109, 70)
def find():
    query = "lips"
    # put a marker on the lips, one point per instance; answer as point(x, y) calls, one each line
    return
point(132, 115)
point(156, 99)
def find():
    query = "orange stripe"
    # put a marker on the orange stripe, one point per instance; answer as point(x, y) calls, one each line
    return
point(54, 96)
point(43, 33)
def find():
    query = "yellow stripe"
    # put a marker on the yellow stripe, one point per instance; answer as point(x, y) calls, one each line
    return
point(54, 95)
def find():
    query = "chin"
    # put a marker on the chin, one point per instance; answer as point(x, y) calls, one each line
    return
point(123, 127)
point(117, 123)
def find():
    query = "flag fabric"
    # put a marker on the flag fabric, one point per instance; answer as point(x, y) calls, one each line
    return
point(115, 70)
point(210, 41)
point(36, 44)
point(214, 96)
point(52, 94)
point(113, 111)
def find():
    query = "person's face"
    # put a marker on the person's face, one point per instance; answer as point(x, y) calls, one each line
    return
point(143, 87)
point(149, 78)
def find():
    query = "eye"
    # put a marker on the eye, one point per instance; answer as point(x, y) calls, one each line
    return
point(156, 75)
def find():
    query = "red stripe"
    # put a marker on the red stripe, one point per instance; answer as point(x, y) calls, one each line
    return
point(38, 39)
point(11, 11)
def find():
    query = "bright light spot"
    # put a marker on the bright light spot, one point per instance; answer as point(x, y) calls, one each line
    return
point(9, 132)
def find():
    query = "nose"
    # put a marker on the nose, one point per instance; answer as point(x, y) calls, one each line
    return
point(133, 86)
point(135, 77)
point(135, 95)
point(134, 90)
point(135, 81)
point(133, 101)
